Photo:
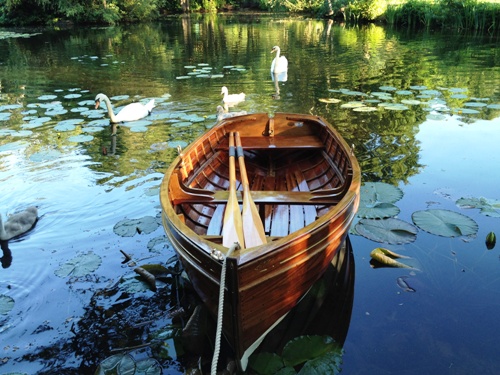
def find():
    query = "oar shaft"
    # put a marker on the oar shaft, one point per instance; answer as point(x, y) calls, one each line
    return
point(253, 229)
point(232, 230)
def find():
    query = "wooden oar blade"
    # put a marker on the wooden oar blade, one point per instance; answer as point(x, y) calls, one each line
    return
point(232, 231)
point(253, 229)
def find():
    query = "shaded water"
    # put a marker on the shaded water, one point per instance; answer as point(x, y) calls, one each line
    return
point(436, 152)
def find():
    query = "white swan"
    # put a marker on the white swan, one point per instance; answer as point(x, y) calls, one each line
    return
point(232, 99)
point(131, 112)
point(18, 223)
point(222, 114)
point(280, 63)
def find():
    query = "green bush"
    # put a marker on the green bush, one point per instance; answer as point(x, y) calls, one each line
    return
point(368, 10)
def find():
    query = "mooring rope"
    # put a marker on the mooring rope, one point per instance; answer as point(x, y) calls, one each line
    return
point(220, 311)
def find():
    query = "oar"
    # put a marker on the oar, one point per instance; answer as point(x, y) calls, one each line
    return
point(253, 230)
point(232, 230)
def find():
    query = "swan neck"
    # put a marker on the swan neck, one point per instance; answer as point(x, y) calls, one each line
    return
point(110, 109)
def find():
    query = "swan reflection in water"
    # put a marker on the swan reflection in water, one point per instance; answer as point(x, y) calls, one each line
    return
point(6, 258)
point(277, 78)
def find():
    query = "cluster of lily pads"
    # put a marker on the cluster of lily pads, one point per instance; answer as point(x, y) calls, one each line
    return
point(393, 99)
point(12, 34)
point(84, 59)
point(378, 222)
point(204, 70)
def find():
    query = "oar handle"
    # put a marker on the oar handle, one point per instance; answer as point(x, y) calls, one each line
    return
point(243, 170)
point(232, 168)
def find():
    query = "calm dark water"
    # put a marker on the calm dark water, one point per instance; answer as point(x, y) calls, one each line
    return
point(58, 153)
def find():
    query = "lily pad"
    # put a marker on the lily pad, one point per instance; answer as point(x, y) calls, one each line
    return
point(445, 223)
point(387, 88)
point(352, 105)
point(392, 231)
point(416, 87)
point(377, 200)
point(45, 155)
point(475, 104)
point(364, 109)
point(4, 116)
point(129, 228)
point(404, 92)
point(81, 138)
point(411, 101)
point(304, 348)
point(6, 304)
point(488, 207)
point(47, 97)
point(117, 364)
point(329, 100)
point(80, 265)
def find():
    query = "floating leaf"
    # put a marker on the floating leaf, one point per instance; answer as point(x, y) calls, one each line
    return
point(325, 364)
point(81, 138)
point(387, 88)
point(6, 304)
point(377, 200)
point(329, 100)
point(352, 105)
point(392, 231)
point(117, 364)
point(148, 366)
point(488, 207)
point(364, 109)
point(475, 104)
point(411, 101)
point(129, 228)
point(305, 348)
point(445, 223)
point(404, 92)
point(80, 265)
point(266, 363)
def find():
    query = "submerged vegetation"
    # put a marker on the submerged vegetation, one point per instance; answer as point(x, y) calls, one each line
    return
point(481, 15)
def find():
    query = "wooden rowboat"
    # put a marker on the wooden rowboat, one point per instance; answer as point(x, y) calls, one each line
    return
point(297, 182)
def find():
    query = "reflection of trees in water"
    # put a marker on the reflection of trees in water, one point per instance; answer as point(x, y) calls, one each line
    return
point(145, 59)
point(390, 151)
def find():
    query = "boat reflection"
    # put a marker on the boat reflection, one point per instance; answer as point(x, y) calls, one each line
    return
point(324, 310)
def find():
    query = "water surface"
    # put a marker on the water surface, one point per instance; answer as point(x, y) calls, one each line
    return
point(58, 153)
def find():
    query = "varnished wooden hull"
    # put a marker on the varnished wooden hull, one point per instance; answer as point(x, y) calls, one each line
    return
point(305, 180)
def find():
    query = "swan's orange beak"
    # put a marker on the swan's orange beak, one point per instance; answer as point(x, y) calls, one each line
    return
point(97, 102)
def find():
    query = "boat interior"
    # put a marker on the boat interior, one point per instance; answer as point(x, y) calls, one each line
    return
point(293, 181)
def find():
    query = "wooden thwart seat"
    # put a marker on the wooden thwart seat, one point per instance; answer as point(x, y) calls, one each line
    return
point(256, 143)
